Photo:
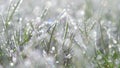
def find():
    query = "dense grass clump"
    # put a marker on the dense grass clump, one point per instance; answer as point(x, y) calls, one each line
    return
point(59, 34)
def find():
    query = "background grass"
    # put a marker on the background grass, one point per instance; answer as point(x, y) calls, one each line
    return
point(59, 34)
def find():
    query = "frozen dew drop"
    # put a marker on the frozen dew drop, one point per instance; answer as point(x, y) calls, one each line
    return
point(3, 29)
point(11, 1)
point(27, 62)
point(69, 56)
point(44, 53)
point(110, 60)
point(20, 19)
point(9, 23)
point(27, 24)
point(84, 52)
point(64, 14)
point(21, 1)
point(41, 31)
point(14, 59)
point(50, 60)
point(75, 27)
point(59, 10)
point(104, 3)
point(36, 10)
point(114, 41)
point(57, 62)
point(53, 48)
point(117, 62)
point(95, 33)
point(110, 46)
point(82, 12)
point(13, 8)
point(48, 4)
point(99, 57)
point(11, 64)
point(50, 21)
point(37, 19)
point(119, 49)
point(11, 51)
